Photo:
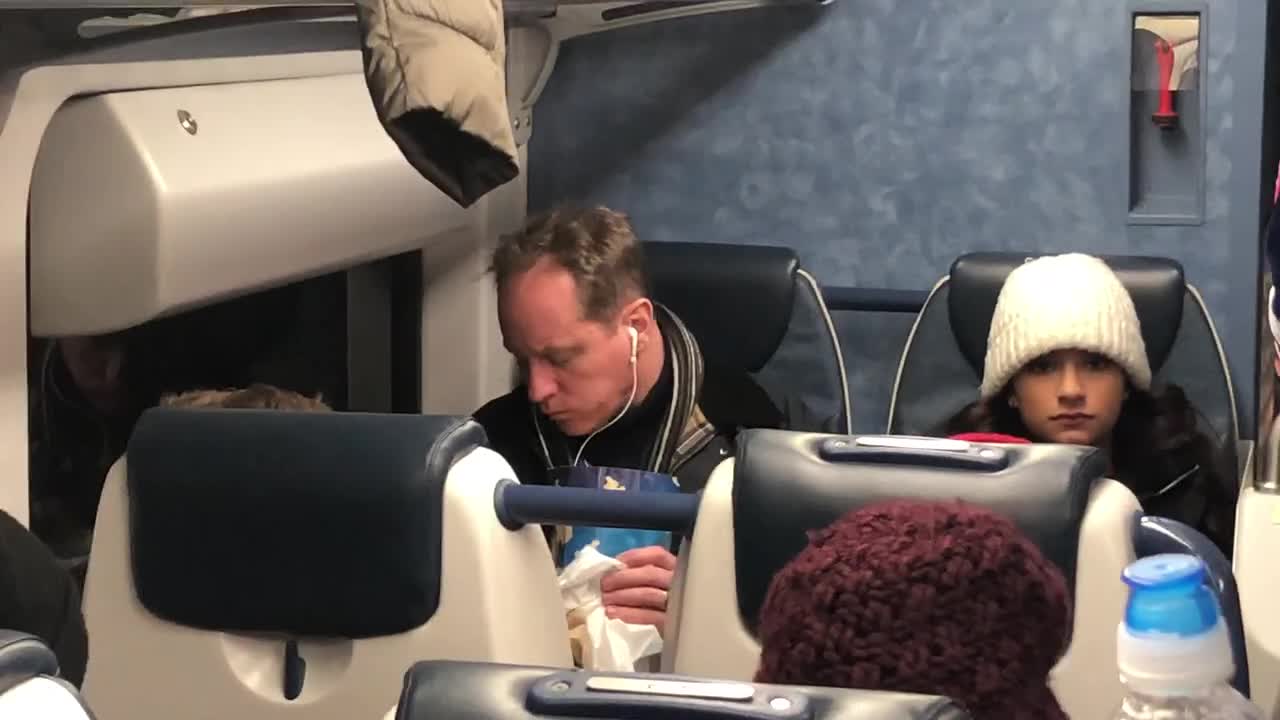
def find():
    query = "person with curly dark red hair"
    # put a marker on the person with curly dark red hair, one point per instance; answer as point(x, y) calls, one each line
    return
point(939, 598)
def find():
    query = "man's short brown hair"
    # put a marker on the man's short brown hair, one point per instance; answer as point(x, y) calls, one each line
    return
point(257, 396)
point(597, 246)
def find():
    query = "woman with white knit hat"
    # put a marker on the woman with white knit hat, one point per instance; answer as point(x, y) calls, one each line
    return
point(1066, 363)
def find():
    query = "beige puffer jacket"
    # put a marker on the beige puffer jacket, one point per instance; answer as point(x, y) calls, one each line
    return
point(436, 71)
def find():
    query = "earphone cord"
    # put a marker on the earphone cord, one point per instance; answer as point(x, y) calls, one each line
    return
point(635, 379)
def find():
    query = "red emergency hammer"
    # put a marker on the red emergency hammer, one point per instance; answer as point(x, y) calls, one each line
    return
point(1165, 117)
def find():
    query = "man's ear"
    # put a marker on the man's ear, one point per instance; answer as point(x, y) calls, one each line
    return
point(638, 314)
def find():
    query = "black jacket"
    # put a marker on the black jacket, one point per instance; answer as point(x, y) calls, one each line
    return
point(730, 400)
point(38, 596)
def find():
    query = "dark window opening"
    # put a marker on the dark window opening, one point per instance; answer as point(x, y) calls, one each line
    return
point(352, 337)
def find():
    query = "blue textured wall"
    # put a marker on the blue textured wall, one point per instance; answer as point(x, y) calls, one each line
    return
point(880, 143)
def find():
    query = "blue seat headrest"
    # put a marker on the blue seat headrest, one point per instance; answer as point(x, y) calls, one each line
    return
point(298, 523)
point(785, 486)
point(737, 300)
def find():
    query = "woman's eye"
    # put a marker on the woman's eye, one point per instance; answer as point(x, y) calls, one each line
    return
point(1040, 366)
point(1097, 362)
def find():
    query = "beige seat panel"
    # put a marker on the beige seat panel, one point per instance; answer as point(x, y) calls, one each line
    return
point(498, 601)
point(42, 698)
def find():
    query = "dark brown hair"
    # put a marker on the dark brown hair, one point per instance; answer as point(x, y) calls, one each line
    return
point(597, 246)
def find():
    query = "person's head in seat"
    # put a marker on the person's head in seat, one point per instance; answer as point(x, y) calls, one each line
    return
point(571, 293)
point(937, 598)
point(609, 379)
point(1066, 363)
point(258, 396)
point(596, 353)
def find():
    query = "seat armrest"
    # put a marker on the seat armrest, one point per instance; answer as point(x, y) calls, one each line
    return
point(25, 654)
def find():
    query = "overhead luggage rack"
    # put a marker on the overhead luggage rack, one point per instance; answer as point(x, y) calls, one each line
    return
point(542, 7)
point(554, 20)
point(589, 15)
point(190, 195)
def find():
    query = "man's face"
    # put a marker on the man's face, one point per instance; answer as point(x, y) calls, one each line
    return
point(577, 371)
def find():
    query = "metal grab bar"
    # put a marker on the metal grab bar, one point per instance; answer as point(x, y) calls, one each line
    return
point(852, 299)
point(518, 505)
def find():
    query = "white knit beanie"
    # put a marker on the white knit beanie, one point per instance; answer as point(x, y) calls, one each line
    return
point(1063, 302)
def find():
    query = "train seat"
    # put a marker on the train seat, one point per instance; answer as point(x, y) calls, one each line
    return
point(750, 307)
point(941, 364)
point(30, 688)
point(257, 564)
point(486, 691)
point(757, 508)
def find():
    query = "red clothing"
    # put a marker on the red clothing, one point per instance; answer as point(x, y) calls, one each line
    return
point(1001, 438)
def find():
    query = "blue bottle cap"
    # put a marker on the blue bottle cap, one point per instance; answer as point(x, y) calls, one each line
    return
point(1168, 595)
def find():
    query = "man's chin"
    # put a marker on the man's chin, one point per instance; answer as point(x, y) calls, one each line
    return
point(572, 427)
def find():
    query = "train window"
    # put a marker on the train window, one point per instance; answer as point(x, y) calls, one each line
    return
point(353, 337)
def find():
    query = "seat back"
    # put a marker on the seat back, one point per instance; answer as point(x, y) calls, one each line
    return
point(941, 366)
point(258, 564)
point(484, 691)
point(757, 508)
point(29, 686)
point(741, 302)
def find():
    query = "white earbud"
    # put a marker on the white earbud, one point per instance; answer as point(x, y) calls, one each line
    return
point(635, 346)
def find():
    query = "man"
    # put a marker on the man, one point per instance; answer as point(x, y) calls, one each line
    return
point(609, 378)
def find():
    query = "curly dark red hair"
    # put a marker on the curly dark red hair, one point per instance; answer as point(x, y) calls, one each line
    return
point(939, 598)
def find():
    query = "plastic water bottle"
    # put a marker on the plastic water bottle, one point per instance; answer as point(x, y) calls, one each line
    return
point(1174, 653)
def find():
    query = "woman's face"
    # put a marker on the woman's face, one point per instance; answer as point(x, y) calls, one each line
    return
point(95, 365)
point(1070, 396)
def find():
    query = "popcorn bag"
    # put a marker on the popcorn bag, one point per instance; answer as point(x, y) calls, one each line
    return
point(609, 541)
